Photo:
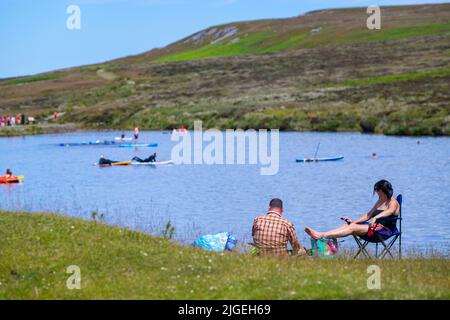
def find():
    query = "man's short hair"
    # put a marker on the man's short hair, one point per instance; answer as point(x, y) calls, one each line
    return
point(276, 203)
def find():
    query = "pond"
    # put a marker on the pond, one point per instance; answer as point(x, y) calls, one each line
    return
point(200, 199)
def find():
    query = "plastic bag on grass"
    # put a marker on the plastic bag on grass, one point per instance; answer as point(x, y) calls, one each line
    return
point(216, 242)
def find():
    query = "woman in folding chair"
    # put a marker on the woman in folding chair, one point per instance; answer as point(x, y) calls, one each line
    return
point(376, 220)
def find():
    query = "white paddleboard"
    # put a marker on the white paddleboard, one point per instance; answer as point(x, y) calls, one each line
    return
point(122, 139)
point(156, 163)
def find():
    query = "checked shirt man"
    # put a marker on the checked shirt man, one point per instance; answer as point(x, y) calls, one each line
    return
point(271, 232)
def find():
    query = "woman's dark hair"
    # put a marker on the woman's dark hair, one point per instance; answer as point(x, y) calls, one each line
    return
point(384, 186)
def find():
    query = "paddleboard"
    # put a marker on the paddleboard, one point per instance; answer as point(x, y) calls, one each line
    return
point(122, 139)
point(137, 145)
point(115, 164)
point(90, 143)
point(320, 159)
point(156, 163)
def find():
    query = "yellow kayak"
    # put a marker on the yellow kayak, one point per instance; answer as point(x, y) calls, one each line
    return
point(114, 164)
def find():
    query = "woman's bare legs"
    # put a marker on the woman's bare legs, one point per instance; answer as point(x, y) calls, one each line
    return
point(340, 232)
point(317, 235)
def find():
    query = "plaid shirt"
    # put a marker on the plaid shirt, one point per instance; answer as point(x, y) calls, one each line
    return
point(271, 233)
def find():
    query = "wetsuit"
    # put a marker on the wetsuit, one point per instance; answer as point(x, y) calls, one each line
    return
point(105, 162)
point(152, 158)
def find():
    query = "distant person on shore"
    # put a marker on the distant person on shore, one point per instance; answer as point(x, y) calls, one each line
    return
point(55, 115)
point(2, 122)
point(136, 133)
point(271, 232)
point(385, 206)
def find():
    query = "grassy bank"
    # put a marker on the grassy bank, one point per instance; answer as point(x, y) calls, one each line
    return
point(36, 250)
point(27, 130)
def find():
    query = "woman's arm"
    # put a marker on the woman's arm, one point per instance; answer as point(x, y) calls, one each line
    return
point(392, 208)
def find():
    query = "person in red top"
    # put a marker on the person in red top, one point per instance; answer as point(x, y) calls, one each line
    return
point(55, 115)
point(271, 232)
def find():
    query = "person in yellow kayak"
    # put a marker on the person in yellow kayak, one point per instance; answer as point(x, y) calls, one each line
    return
point(105, 162)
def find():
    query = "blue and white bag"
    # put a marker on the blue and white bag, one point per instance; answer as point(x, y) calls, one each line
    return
point(217, 242)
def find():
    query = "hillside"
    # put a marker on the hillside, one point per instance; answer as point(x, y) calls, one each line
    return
point(37, 249)
point(322, 71)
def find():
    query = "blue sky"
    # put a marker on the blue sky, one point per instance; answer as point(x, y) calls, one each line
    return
point(34, 37)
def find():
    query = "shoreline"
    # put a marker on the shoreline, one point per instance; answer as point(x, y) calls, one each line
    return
point(37, 249)
point(37, 129)
point(42, 129)
point(185, 241)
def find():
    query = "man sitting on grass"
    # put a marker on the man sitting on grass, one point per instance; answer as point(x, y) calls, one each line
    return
point(271, 232)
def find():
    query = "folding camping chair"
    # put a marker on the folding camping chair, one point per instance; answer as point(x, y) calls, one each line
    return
point(363, 241)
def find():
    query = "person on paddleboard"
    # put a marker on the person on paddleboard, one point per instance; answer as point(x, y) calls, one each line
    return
point(136, 133)
point(105, 162)
point(386, 206)
point(151, 158)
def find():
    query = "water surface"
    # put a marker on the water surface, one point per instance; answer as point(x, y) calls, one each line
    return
point(214, 198)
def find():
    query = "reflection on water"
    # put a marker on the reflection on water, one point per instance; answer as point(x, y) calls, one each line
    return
point(210, 199)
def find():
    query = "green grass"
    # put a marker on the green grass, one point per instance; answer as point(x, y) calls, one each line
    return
point(254, 43)
point(284, 45)
point(386, 34)
point(32, 79)
point(246, 45)
point(269, 42)
point(36, 250)
point(21, 131)
point(394, 78)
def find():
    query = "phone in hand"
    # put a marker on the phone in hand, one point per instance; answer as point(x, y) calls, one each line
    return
point(346, 220)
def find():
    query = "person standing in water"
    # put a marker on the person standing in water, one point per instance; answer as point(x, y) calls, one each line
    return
point(136, 133)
